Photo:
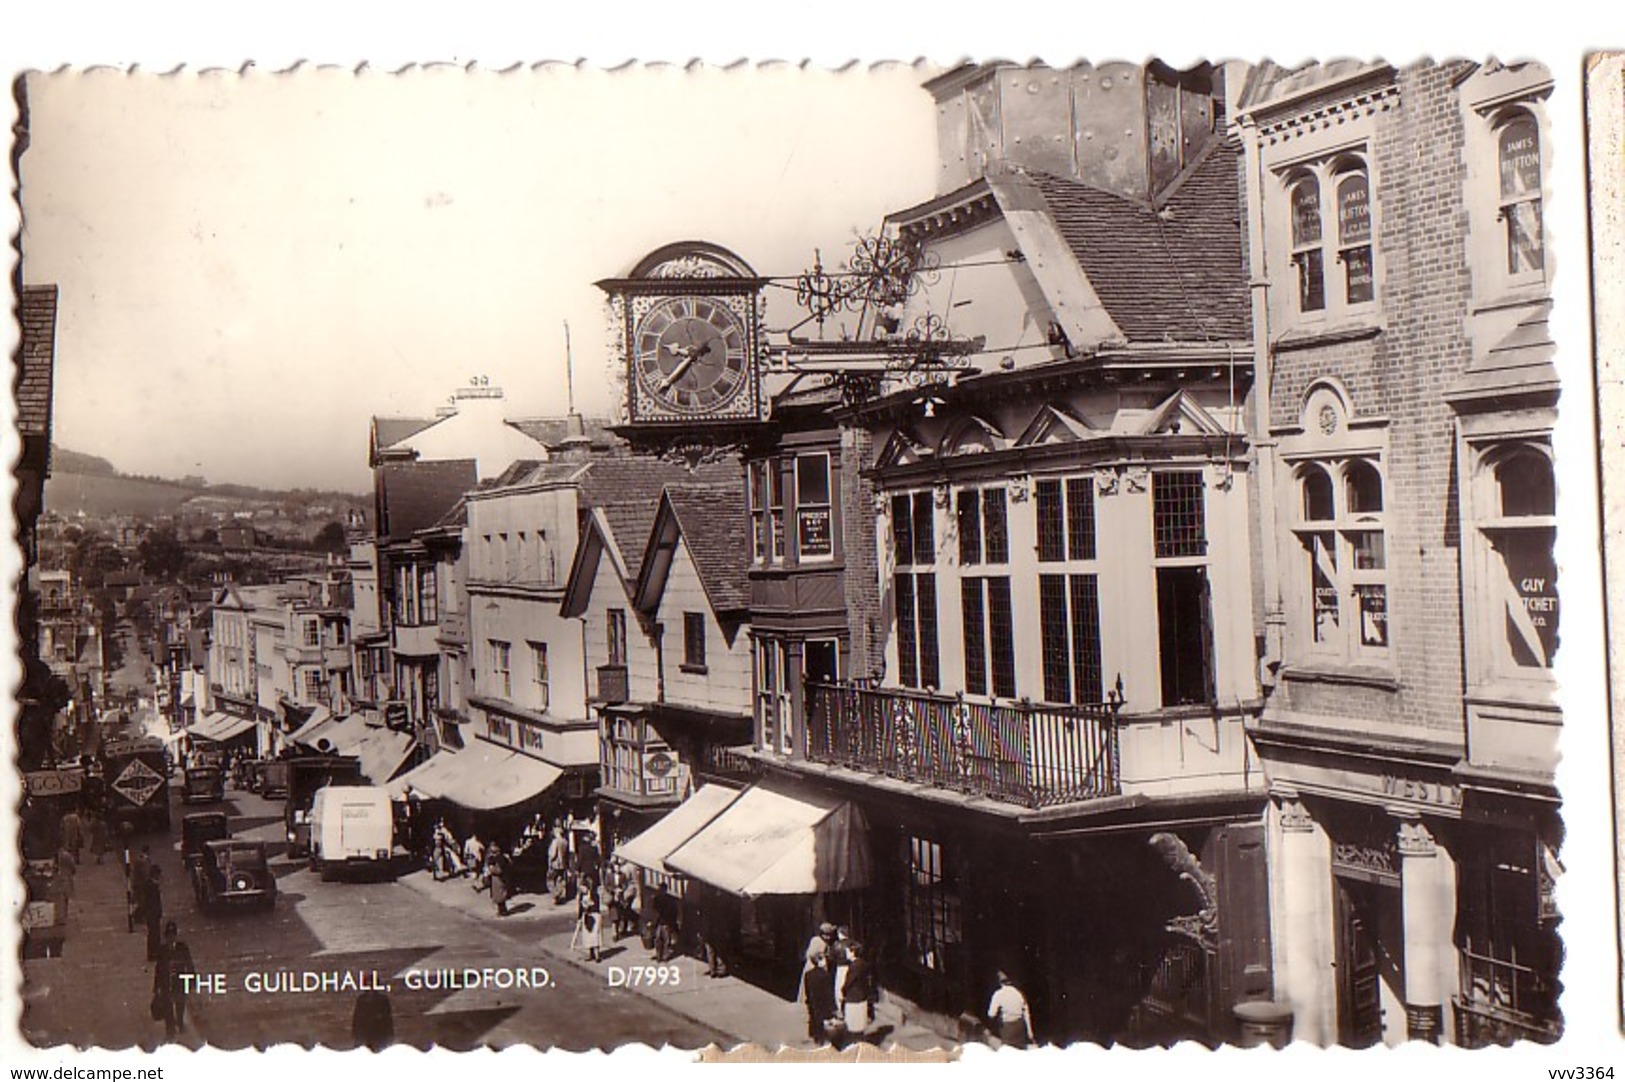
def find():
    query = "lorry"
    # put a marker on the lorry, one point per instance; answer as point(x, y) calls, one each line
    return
point(136, 773)
point(352, 827)
point(306, 776)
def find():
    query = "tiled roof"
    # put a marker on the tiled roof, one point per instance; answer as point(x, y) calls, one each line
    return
point(712, 521)
point(38, 317)
point(628, 478)
point(550, 432)
point(629, 524)
point(388, 431)
point(1172, 273)
point(417, 494)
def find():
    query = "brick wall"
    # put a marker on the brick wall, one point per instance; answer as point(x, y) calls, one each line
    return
point(858, 543)
point(1402, 375)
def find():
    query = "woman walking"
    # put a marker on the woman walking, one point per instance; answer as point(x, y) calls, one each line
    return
point(498, 874)
point(589, 919)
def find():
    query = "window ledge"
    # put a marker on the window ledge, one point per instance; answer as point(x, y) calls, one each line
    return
point(1307, 337)
point(1514, 297)
point(1327, 672)
point(697, 670)
point(1540, 695)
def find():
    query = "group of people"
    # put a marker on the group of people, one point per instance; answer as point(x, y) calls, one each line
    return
point(838, 987)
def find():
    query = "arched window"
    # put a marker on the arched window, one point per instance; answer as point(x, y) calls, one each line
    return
point(1523, 566)
point(1332, 252)
point(1307, 256)
point(1342, 531)
point(1354, 233)
point(1518, 156)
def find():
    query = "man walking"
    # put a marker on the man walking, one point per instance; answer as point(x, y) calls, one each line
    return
point(151, 905)
point(168, 989)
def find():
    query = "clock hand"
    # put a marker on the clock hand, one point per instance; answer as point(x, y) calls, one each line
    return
point(683, 366)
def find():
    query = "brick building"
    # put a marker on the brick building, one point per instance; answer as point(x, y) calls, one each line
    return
point(1405, 402)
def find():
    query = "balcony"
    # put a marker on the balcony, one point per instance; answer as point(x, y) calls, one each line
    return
point(1025, 754)
point(612, 684)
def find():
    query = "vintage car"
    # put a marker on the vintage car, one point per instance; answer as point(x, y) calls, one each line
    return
point(203, 785)
point(200, 827)
point(233, 872)
point(271, 778)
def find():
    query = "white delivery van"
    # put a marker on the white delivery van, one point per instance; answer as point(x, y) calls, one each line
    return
point(351, 827)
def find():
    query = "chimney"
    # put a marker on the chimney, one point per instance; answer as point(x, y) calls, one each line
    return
point(1126, 128)
point(576, 446)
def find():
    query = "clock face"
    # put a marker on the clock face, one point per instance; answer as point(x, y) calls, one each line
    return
point(690, 356)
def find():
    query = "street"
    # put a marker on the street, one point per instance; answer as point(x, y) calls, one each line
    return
point(98, 992)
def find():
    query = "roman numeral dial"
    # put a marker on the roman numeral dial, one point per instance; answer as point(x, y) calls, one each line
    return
point(690, 355)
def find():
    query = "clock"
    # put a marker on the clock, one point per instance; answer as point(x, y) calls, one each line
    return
point(690, 355)
point(686, 323)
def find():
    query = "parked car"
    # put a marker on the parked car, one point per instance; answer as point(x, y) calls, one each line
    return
point(198, 828)
point(203, 785)
point(233, 872)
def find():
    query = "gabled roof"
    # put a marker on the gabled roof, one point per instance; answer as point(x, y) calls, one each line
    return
point(38, 319)
point(1053, 424)
point(1181, 414)
point(1169, 273)
point(710, 521)
point(598, 540)
point(417, 493)
point(389, 431)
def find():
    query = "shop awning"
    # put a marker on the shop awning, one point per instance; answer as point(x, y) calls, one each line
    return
point(779, 841)
point(481, 777)
point(317, 720)
point(650, 849)
point(382, 753)
point(338, 736)
point(220, 727)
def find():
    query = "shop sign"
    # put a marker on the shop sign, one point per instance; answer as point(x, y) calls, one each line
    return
point(53, 782)
point(39, 915)
point(138, 782)
point(814, 538)
point(1436, 794)
point(1379, 861)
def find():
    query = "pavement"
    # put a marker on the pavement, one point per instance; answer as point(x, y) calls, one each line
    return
point(728, 1004)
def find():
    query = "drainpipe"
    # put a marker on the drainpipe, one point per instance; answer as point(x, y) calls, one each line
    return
point(1263, 442)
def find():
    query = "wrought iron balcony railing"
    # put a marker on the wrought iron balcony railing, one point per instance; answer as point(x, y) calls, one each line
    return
point(1023, 753)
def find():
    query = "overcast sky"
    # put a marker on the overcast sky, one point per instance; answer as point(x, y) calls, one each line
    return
point(251, 267)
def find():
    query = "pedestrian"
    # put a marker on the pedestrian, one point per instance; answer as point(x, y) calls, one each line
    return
point(174, 961)
point(73, 832)
point(818, 949)
point(626, 902)
point(98, 837)
point(474, 860)
point(372, 1025)
point(152, 911)
point(589, 933)
point(1008, 1014)
point(665, 912)
point(715, 936)
point(498, 873)
point(857, 992)
point(818, 991)
point(558, 860)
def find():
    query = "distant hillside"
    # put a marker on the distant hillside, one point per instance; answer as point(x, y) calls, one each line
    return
point(66, 461)
point(98, 494)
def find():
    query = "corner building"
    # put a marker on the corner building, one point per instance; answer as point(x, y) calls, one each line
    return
point(1406, 398)
point(1038, 709)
